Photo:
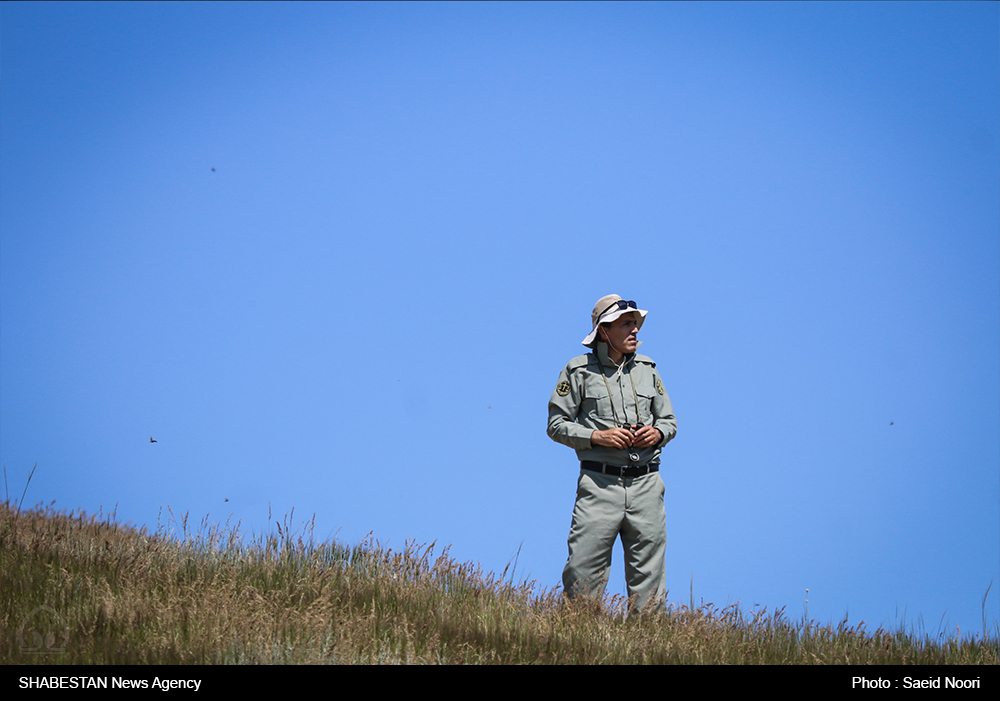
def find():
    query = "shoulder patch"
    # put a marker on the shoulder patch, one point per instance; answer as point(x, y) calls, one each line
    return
point(659, 385)
point(562, 389)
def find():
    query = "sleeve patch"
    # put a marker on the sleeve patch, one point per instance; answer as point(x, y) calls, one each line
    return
point(562, 389)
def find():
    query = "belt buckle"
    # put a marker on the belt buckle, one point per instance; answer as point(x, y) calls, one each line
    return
point(636, 470)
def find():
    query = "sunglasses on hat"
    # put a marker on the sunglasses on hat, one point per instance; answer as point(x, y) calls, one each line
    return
point(621, 304)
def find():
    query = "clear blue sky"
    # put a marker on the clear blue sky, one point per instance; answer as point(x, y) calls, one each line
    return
point(362, 311)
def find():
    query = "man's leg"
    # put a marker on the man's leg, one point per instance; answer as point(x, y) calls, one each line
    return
point(644, 538)
point(597, 516)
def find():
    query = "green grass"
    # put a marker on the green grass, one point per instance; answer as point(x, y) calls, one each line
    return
point(79, 589)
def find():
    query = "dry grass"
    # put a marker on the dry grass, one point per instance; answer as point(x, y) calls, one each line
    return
point(85, 590)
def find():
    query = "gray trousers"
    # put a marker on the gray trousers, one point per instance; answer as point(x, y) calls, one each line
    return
point(607, 507)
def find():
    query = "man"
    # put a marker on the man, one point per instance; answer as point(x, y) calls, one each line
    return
point(611, 407)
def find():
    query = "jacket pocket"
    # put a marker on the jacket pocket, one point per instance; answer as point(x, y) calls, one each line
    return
point(596, 401)
point(645, 392)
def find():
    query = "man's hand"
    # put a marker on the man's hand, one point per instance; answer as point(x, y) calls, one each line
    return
point(612, 438)
point(622, 438)
point(646, 437)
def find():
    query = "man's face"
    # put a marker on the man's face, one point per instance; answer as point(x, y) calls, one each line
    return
point(621, 333)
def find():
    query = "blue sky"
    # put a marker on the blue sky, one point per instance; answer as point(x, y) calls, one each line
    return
point(362, 311)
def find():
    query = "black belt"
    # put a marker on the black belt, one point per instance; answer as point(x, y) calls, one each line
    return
point(624, 471)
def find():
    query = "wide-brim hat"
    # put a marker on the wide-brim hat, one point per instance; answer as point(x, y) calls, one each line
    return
point(607, 309)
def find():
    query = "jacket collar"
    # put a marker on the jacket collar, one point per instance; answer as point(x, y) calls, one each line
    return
point(602, 354)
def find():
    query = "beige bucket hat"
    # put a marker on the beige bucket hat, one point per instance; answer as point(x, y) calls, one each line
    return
point(607, 309)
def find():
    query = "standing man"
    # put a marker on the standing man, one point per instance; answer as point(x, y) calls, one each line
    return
point(611, 407)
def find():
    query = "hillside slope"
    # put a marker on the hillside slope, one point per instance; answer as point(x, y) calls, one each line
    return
point(82, 590)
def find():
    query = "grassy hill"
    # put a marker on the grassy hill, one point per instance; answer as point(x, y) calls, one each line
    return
point(85, 590)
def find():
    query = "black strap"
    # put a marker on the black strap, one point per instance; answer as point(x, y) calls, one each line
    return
point(619, 471)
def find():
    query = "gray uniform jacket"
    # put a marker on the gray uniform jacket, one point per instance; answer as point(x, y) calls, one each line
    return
point(581, 404)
